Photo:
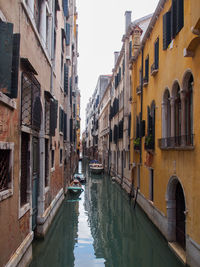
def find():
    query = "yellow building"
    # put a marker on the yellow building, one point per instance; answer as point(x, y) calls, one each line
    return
point(164, 137)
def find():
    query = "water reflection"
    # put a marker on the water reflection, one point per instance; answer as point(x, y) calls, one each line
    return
point(101, 229)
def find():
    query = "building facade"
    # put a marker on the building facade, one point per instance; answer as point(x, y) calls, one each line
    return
point(164, 134)
point(38, 50)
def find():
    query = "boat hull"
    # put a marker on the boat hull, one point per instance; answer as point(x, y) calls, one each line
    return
point(97, 170)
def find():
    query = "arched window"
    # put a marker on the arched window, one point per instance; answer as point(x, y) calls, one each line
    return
point(177, 114)
point(166, 115)
point(189, 111)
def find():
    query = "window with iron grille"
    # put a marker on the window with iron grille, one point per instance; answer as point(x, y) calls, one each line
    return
point(31, 107)
point(47, 116)
point(6, 166)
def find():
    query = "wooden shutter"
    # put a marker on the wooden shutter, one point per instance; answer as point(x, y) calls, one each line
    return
point(147, 69)
point(15, 65)
point(67, 34)
point(166, 30)
point(66, 78)
point(180, 16)
point(70, 82)
point(110, 135)
point(65, 127)
point(6, 50)
point(71, 130)
point(65, 8)
point(130, 49)
point(173, 18)
point(156, 54)
point(53, 116)
point(129, 125)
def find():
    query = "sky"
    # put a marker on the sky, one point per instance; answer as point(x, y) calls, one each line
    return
point(101, 25)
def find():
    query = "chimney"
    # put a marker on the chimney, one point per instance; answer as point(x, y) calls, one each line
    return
point(127, 20)
point(116, 55)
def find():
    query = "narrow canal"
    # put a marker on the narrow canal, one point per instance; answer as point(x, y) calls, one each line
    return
point(102, 229)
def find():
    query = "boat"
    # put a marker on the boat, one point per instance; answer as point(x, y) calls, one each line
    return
point(75, 187)
point(80, 177)
point(97, 168)
point(93, 163)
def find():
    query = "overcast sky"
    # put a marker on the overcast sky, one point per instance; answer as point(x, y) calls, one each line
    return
point(101, 25)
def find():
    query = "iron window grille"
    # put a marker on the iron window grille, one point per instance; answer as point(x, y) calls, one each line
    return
point(31, 107)
point(5, 171)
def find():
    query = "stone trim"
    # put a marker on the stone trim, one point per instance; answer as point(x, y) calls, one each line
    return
point(44, 221)
point(192, 252)
point(21, 252)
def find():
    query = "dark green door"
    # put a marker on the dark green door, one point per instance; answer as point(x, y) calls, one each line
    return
point(35, 181)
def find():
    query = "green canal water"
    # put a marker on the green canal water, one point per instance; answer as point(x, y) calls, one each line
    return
point(101, 228)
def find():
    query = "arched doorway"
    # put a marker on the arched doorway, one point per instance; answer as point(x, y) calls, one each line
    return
point(176, 212)
point(180, 215)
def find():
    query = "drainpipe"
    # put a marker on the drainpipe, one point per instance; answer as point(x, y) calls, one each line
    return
point(141, 104)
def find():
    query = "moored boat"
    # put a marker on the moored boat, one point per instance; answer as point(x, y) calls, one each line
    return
point(80, 177)
point(97, 168)
point(75, 187)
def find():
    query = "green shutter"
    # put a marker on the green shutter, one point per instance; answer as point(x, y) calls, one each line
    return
point(166, 29)
point(180, 16)
point(53, 116)
point(65, 8)
point(6, 50)
point(173, 18)
point(156, 54)
point(67, 34)
point(15, 65)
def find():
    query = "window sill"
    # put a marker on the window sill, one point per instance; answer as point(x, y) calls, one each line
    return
point(24, 209)
point(154, 72)
point(53, 169)
point(6, 194)
point(11, 103)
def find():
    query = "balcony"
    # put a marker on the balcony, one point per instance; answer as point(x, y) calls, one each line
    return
point(184, 142)
point(154, 69)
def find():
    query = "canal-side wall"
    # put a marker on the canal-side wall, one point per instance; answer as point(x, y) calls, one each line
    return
point(46, 219)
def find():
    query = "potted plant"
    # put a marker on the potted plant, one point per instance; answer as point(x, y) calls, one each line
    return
point(149, 142)
point(136, 143)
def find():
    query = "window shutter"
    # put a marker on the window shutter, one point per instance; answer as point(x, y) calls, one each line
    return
point(166, 30)
point(129, 125)
point(65, 126)
point(173, 18)
point(180, 16)
point(53, 116)
point(147, 69)
point(71, 130)
point(142, 128)
point(110, 136)
point(70, 82)
point(65, 8)
point(66, 78)
point(15, 65)
point(6, 49)
point(156, 47)
point(130, 49)
point(67, 34)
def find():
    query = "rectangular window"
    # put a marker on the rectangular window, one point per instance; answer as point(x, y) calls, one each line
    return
point(25, 165)
point(156, 54)
point(130, 49)
point(166, 29)
point(61, 120)
point(52, 158)
point(6, 169)
point(146, 78)
point(61, 156)
point(151, 185)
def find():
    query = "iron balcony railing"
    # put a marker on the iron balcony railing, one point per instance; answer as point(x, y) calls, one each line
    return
point(183, 141)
